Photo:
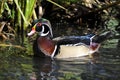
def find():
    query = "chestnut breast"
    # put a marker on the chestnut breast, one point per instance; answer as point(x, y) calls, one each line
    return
point(46, 45)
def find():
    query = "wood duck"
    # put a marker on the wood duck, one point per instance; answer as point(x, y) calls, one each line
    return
point(67, 46)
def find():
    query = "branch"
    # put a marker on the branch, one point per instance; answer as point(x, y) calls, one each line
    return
point(2, 26)
point(105, 7)
point(10, 45)
point(57, 5)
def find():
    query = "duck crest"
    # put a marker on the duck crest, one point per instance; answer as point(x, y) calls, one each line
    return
point(46, 45)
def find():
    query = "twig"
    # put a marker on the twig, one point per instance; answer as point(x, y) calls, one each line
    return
point(2, 26)
point(106, 7)
point(57, 5)
point(93, 11)
point(99, 9)
point(16, 46)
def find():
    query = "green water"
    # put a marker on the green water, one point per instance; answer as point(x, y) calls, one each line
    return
point(103, 67)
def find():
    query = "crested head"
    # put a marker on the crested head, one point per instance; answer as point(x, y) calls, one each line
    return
point(43, 26)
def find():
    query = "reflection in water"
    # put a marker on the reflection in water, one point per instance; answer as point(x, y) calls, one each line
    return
point(105, 67)
point(46, 68)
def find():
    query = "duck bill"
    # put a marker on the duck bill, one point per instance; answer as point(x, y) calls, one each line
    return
point(31, 32)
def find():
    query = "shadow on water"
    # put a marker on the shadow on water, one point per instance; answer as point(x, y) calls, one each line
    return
point(104, 67)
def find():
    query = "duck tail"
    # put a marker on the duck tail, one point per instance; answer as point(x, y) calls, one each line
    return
point(99, 38)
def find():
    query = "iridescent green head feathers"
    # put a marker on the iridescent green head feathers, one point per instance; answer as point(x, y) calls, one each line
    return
point(42, 26)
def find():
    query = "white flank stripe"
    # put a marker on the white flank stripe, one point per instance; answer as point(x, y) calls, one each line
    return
point(54, 51)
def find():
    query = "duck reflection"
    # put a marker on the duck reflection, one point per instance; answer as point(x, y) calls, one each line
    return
point(49, 69)
point(46, 68)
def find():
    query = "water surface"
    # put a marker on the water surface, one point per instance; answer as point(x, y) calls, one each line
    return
point(102, 67)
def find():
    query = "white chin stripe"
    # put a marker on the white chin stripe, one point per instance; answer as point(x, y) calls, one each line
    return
point(31, 33)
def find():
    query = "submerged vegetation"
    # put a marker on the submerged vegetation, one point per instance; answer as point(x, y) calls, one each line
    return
point(86, 16)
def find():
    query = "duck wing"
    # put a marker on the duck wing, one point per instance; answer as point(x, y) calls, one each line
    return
point(73, 40)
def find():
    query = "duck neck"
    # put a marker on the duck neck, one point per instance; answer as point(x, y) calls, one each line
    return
point(47, 46)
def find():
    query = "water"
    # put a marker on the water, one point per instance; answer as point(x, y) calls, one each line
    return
point(102, 67)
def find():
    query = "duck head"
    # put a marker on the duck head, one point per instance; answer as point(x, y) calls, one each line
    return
point(43, 26)
point(43, 42)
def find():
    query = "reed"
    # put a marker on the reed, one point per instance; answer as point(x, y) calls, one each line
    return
point(1, 7)
point(26, 11)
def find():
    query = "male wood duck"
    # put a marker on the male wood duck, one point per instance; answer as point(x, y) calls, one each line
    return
point(67, 46)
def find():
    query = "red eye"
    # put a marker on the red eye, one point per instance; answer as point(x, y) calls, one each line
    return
point(33, 28)
point(38, 24)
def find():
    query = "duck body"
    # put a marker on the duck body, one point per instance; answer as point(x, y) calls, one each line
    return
point(75, 46)
point(73, 51)
point(66, 46)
